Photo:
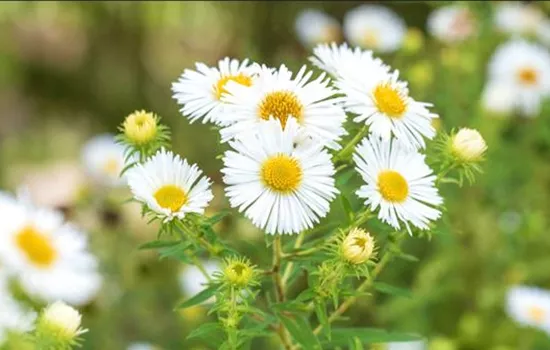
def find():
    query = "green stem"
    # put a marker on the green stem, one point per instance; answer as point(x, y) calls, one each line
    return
point(386, 258)
point(196, 261)
point(277, 280)
point(349, 147)
point(279, 289)
point(198, 239)
point(289, 267)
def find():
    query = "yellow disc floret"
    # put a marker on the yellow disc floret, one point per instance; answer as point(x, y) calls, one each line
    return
point(281, 173)
point(389, 100)
point(281, 105)
point(170, 197)
point(392, 186)
point(36, 246)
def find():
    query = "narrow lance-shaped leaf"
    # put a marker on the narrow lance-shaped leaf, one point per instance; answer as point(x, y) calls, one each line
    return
point(199, 297)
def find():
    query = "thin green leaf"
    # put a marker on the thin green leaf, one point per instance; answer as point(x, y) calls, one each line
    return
point(210, 332)
point(355, 344)
point(300, 330)
point(345, 177)
point(408, 257)
point(321, 311)
point(158, 244)
point(199, 297)
point(217, 218)
point(341, 336)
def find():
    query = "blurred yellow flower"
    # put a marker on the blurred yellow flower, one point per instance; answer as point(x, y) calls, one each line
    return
point(414, 41)
point(421, 74)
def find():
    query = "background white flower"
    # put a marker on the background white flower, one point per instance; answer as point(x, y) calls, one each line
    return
point(103, 160)
point(47, 256)
point(515, 17)
point(529, 306)
point(313, 27)
point(524, 66)
point(452, 23)
point(374, 27)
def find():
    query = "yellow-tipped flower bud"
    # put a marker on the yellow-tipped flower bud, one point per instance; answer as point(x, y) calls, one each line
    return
point(239, 272)
point(59, 324)
point(468, 145)
point(140, 127)
point(358, 246)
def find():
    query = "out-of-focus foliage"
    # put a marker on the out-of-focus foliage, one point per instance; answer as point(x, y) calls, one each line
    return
point(70, 70)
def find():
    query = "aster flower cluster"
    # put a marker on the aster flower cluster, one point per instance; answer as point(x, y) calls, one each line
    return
point(289, 137)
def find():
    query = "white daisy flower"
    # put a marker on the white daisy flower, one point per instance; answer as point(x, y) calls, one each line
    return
point(14, 317)
point(314, 27)
point(342, 61)
point(498, 98)
point(374, 27)
point(529, 306)
point(514, 17)
point(192, 281)
point(170, 186)
point(275, 94)
point(200, 92)
point(382, 101)
point(407, 345)
point(281, 186)
point(453, 23)
point(103, 160)
point(47, 256)
point(399, 182)
point(525, 67)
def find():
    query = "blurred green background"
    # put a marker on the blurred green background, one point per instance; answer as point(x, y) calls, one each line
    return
point(71, 70)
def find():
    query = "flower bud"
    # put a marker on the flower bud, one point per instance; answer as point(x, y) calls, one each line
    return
point(59, 324)
point(468, 145)
point(358, 246)
point(239, 272)
point(140, 127)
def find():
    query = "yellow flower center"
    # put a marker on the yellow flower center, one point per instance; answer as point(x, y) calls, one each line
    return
point(536, 314)
point(360, 242)
point(36, 246)
point(370, 39)
point(392, 186)
point(239, 268)
point(219, 87)
point(281, 173)
point(389, 101)
point(111, 167)
point(527, 76)
point(170, 197)
point(281, 105)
